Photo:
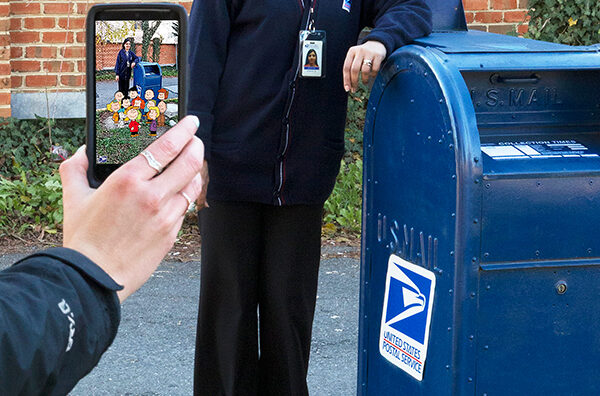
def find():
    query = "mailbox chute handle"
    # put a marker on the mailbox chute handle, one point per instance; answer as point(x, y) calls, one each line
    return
point(498, 79)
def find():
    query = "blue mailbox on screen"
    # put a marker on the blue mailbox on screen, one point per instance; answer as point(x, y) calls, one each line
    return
point(480, 266)
point(147, 75)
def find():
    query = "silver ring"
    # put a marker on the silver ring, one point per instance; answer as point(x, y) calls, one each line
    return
point(189, 201)
point(152, 162)
point(187, 198)
point(368, 62)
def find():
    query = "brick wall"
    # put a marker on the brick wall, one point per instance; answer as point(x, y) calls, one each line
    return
point(42, 50)
point(107, 53)
point(497, 16)
point(42, 56)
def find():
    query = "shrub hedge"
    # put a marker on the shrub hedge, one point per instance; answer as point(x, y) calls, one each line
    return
point(573, 22)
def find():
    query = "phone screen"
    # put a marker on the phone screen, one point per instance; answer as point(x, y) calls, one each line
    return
point(136, 86)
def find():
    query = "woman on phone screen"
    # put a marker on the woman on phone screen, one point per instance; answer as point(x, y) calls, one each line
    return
point(126, 60)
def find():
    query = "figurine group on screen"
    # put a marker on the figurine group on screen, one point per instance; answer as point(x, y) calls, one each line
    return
point(133, 111)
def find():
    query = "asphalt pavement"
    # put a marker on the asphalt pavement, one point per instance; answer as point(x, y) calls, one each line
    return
point(153, 352)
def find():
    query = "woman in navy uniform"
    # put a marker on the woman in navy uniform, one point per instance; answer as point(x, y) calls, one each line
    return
point(126, 61)
point(274, 146)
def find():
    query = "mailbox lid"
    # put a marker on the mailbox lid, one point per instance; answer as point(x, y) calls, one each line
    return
point(475, 41)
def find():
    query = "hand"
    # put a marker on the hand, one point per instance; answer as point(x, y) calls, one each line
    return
point(201, 201)
point(130, 223)
point(356, 61)
point(117, 78)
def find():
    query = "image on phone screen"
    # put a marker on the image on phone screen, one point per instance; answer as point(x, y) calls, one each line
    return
point(136, 84)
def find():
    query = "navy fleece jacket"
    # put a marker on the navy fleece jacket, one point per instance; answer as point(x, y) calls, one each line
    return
point(243, 61)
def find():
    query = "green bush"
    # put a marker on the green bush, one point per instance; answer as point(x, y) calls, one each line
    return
point(343, 208)
point(30, 201)
point(30, 189)
point(573, 22)
point(26, 144)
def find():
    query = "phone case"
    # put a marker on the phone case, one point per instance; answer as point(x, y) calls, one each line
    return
point(127, 11)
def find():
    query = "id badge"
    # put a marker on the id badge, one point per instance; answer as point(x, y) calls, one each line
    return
point(312, 53)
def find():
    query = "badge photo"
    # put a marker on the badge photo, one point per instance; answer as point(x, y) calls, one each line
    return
point(312, 52)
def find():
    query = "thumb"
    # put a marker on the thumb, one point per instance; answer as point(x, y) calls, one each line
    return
point(73, 177)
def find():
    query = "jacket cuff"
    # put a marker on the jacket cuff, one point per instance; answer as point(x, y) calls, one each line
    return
point(82, 264)
point(92, 273)
point(204, 131)
point(383, 38)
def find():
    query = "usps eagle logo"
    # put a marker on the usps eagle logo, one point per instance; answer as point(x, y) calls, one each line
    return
point(346, 5)
point(406, 315)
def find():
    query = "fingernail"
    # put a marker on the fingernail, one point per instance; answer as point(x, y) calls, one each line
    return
point(80, 149)
point(347, 88)
point(196, 121)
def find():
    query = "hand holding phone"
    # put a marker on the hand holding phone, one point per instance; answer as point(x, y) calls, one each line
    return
point(136, 69)
point(129, 224)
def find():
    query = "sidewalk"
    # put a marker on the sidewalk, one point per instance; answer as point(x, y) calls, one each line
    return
point(153, 352)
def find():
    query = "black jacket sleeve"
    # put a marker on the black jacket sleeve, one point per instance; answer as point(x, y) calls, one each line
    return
point(58, 313)
point(396, 22)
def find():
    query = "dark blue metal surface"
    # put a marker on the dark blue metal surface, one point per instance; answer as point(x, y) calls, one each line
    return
point(147, 75)
point(475, 41)
point(499, 233)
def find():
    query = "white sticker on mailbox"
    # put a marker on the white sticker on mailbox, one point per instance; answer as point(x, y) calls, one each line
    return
point(537, 149)
point(406, 316)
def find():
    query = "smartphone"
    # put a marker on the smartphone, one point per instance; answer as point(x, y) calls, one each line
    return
point(136, 67)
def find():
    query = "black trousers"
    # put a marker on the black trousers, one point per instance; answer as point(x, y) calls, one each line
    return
point(124, 85)
point(257, 298)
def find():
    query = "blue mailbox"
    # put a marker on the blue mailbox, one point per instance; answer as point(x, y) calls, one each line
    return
point(480, 267)
point(147, 75)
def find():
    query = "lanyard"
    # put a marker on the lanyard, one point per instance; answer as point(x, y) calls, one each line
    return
point(310, 21)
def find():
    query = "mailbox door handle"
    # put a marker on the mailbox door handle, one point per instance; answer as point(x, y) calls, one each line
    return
point(498, 79)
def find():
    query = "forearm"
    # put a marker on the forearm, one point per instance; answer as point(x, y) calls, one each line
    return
point(396, 22)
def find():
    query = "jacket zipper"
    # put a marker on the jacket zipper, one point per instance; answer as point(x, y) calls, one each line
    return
point(281, 156)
